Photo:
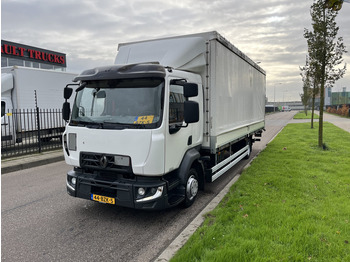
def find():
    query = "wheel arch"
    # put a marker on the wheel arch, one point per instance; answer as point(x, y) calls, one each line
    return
point(191, 159)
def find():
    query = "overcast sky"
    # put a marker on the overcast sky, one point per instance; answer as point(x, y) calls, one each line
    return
point(88, 31)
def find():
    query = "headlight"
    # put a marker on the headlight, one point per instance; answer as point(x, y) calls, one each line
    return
point(71, 182)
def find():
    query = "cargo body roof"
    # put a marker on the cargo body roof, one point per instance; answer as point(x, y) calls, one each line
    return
point(180, 52)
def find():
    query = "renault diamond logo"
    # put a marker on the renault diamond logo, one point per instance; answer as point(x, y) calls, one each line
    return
point(103, 161)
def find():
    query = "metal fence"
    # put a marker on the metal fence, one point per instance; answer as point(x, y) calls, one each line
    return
point(30, 131)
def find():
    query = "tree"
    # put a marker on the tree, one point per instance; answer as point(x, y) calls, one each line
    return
point(315, 92)
point(325, 51)
point(305, 96)
point(305, 75)
point(310, 77)
point(336, 5)
point(311, 88)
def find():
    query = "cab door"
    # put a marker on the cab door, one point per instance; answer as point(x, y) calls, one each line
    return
point(180, 136)
point(177, 137)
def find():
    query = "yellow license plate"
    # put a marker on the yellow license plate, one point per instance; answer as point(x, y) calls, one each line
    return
point(103, 199)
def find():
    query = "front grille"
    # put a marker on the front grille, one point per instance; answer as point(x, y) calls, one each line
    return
point(105, 162)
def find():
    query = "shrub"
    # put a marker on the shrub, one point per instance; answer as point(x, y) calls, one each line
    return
point(345, 110)
point(339, 111)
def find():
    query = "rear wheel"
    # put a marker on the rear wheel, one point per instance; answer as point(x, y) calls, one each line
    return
point(191, 187)
point(250, 145)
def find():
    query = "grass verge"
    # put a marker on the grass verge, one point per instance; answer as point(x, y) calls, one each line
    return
point(291, 204)
point(302, 115)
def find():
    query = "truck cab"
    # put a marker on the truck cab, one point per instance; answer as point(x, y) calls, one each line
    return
point(130, 130)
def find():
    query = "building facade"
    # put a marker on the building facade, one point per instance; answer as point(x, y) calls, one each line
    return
point(15, 54)
point(341, 98)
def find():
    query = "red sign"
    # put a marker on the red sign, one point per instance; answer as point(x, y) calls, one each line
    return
point(33, 54)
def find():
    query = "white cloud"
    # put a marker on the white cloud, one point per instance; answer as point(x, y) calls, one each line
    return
point(269, 31)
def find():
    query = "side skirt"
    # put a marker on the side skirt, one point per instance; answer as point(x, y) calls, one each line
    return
point(225, 165)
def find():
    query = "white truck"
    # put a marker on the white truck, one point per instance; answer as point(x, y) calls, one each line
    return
point(18, 87)
point(285, 109)
point(169, 116)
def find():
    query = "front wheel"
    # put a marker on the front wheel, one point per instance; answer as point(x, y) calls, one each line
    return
point(192, 187)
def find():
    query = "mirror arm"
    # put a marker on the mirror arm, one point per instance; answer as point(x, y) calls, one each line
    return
point(82, 86)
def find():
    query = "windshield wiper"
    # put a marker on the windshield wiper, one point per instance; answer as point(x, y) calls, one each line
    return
point(108, 125)
point(118, 125)
point(87, 124)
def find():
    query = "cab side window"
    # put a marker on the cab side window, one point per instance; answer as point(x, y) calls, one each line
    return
point(176, 105)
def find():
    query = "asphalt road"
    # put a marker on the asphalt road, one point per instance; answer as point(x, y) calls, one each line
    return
point(40, 222)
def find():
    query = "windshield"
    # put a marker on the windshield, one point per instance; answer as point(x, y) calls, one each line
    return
point(126, 103)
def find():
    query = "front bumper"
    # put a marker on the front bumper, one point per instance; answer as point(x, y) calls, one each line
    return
point(124, 191)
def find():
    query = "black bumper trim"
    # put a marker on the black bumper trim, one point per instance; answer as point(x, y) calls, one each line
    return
point(124, 191)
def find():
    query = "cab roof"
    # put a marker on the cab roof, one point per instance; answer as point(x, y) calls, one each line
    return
point(122, 72)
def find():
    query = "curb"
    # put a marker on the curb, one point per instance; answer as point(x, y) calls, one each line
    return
point(34, 163)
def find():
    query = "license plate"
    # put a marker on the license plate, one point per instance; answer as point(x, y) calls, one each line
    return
point(103, 199)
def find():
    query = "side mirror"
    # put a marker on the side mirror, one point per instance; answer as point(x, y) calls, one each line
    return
point(191, 112)
point(67, 92)
point(190, 90)
point(66, 111)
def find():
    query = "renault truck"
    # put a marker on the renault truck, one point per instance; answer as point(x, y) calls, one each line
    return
point(171, 115)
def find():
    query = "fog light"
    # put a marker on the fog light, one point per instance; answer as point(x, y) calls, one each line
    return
point(157, 194)
point(141, 191)
point(74, 181)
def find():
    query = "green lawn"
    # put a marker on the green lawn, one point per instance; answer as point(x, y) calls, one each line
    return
point(291, 204)
point(302, 115)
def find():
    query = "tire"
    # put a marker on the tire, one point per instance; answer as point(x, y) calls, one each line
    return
point(191, 187)
point(249, 148)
